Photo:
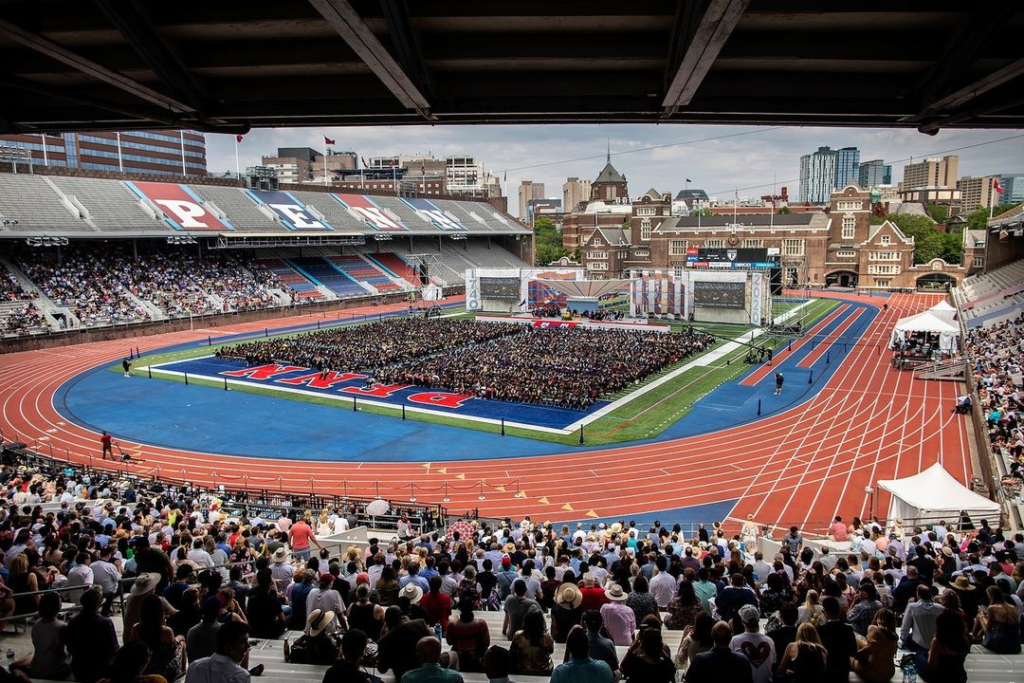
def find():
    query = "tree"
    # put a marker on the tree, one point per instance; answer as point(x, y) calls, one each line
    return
point(547, 242)
point(938, 212)
point(784, 210)
point(978, 219)
point(929, 243)
point(702, 213)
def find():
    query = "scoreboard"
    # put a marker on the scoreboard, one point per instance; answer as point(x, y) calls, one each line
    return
point(506, 288)
point(713, 258)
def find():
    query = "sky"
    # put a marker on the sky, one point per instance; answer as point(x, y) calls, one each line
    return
point(717, 159)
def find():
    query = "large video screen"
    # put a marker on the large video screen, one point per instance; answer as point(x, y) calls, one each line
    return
point(719, 294)
point(499, 288)
point(714, 258)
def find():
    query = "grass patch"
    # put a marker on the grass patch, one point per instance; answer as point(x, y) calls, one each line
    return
point(643, 418)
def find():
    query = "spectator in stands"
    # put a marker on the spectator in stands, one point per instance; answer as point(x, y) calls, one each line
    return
point(1000, 623)
point(437, 605)
point(315, 645)
point(347, 668)
point(641, 601)
point(839, 640)
point(566, 612)
point(201, 640)
point(683, 608)
point(49, 657)
point(532, 646)
point(618, 618)
point(497, 665)
point(365, 615)
point(720, 663)
point(130, 664)
point(943, 661)
point(758, 648)
point(862, 614)
point(91, 639)
point(167, 651)
point(396, 650)
point(784, 631)
point(430, 669)
point(804, 660)
point(263, 608)
point(225, 665)
point(581, 668)
point(468, 636)
point(919, 621)
point(874, 659)
point(648, 659)
point(516, 607)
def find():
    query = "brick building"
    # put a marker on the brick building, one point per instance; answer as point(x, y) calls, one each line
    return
point(840, 247)
point(152, 152)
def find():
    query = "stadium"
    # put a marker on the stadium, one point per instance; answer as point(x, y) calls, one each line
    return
point(648, 473)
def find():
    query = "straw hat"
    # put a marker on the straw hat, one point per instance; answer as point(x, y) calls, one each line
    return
point(411, 591)
point(963, 584)
point(317, 621)
point(569, 596)
point(280, 555)
point(615, 593)
point(145, 583)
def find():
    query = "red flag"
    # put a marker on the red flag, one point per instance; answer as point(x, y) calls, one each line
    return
point(328, 141)
point(365, 165)
point(688, 180)
point(995, 184)
point(238, 138)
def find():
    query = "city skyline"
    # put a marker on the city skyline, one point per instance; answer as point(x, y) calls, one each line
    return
point(717, 159)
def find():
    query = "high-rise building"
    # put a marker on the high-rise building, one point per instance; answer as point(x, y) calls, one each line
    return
point(1013, 188)
point(873, 173)
point(847, 167)
point(574, 191)
point(931, 173)
point(977, 191)
point(465, 175)
point(818, 176)
point(528, 190)
point(157, 152)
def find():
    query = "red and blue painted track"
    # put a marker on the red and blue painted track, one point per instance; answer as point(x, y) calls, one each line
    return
point(805, 463)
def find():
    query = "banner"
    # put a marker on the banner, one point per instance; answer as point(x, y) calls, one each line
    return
point(472, 290)
point(370, 212)
point(182, 209)
point(756, 293)
point(440, 219)
point(293, 213)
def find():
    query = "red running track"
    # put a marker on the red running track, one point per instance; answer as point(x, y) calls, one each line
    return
point(806, 464)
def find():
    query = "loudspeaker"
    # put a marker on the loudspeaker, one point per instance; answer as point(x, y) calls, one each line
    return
point(775, 281)
point(424, 277)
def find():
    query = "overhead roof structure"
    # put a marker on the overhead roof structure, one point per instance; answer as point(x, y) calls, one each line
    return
point(226, 66)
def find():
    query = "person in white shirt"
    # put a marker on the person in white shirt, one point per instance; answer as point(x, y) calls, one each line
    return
point(758, 648)
point(107, 576)
point(224, 666)
point(199, 555)
point(80, 575)
point(326, 599)
point(663, 585)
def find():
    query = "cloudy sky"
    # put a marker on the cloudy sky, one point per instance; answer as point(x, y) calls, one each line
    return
point(715, 158)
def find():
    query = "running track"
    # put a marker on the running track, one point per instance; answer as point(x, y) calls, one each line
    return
point(801, 466)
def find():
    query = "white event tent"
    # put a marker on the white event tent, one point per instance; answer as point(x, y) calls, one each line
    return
point(934, 495)
point(944, 310)
point(947, 332)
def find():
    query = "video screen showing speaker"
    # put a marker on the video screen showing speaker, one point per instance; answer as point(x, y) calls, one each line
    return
point(499, 288)
point(719, 294)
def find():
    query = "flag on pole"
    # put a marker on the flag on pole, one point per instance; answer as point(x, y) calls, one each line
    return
point(363, 159)
point(996, 186)
point(328, 141)
point(688, 180)
point(238, 138)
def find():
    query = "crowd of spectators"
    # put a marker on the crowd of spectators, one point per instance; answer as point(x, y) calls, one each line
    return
point(996, 354)
point(24, 319)
point(371, 347)
point(79, 280)
point(566, 367)
point(570, 368)
point(197, 583)
point(97, 284)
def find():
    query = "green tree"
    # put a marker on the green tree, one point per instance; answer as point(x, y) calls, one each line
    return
point(783, 210)
point(978, 219)
point(929, 243)
point(702, 213)
point(938, 212)
point(547, 242)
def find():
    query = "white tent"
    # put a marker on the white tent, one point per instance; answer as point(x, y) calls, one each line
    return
point(944, 310)
point(927, 322)
point(934, 495)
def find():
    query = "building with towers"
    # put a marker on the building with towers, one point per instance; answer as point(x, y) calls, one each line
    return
point(873, 173)
point(826, 170)
point(609, 186)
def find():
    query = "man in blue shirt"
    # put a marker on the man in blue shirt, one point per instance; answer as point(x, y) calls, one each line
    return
point(721, 663)
point(428, 652)
point(582, 668)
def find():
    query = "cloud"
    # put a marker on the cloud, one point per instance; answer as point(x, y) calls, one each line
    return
point(716, 158)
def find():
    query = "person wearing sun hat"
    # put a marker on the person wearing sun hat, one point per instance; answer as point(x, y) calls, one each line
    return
point(566, 611)
point(144, 585)
point(315, 646)
point(618, 617)
point(326, 599)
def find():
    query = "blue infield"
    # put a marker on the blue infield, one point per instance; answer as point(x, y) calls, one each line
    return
point(353, 385)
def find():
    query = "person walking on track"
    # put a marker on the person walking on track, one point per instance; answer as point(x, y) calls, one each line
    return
point(127, 365)
point(108, 448)
point(778, 383)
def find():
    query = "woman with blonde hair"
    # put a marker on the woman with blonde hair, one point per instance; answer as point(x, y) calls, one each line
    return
point(803, 661)
point(324, 526)
point(811, 611)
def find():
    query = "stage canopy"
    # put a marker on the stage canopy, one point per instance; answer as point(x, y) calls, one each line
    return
point(944, 310)
point(586, 289)
point(928, 322)
point(935, 495)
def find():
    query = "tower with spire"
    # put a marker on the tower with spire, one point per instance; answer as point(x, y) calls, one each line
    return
point(610, 185)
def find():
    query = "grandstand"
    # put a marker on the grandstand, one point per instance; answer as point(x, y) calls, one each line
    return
point(362, 270)
point(992, 296)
